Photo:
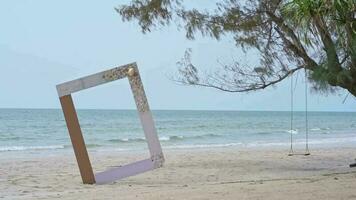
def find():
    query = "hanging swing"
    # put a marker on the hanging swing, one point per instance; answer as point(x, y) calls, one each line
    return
point(291, 151)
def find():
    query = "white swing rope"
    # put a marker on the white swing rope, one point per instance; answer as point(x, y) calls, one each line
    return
point(291, 152)
point(306, 114)
point(291, 116)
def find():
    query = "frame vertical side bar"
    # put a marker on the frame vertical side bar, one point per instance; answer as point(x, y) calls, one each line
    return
point(77, 139)
point(150, 133)
point(145, 114)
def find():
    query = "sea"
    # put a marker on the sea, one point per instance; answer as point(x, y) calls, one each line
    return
point(44, 130)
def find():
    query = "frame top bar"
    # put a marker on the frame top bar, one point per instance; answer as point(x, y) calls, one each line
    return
point(86, 82)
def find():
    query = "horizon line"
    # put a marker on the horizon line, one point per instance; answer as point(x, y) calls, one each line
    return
point(217, 110)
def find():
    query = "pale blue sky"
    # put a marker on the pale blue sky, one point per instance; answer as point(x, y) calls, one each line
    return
point(43, 43)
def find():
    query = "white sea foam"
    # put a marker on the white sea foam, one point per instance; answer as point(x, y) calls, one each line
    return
point(202, 146)
point(315, 129)
point(323, 142)
point(319, 129)
point(293, 131)
point(169, 138)
point(164, 138)
point(23, 148)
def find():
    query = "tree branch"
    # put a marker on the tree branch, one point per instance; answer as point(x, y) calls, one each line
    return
point(297, 46)
point(329, 47)
point(248, 88)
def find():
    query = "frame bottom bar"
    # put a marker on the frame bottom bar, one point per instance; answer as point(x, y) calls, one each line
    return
point(117, 173)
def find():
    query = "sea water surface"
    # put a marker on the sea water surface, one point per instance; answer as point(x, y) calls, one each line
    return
point(45, 129)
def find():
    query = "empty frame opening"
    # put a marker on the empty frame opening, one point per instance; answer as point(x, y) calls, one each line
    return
point(155, 159)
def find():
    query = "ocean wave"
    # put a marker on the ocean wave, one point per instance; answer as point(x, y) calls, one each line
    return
point(23, 148)
point(328, 141)
point(142, 139)
point(126, 140)
point(331, 141)
point(163, 138)
point(301, 142)
point(264, 133)
point(89, 145)
point(315, 129)
point(203, 146)
point(206, 135)
point(319, 129)
point(171, 138)
point(292, 131)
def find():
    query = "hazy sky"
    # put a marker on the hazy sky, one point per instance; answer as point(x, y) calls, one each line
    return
point(44, 43)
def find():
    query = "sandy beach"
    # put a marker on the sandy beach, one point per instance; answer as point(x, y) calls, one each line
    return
point(220, 173)
point(221, 89)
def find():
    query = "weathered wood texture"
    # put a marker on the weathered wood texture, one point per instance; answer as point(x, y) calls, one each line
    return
point(77, 139)
point(94, 80)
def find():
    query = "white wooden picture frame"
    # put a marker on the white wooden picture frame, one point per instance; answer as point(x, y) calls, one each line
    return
point(65, 90)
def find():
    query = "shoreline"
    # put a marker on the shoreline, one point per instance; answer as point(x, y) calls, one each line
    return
point(65, 149)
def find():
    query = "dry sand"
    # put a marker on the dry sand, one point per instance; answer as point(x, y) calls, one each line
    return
point(222, 173)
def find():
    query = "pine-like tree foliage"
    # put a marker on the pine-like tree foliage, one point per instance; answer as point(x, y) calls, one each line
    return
point(316, 35)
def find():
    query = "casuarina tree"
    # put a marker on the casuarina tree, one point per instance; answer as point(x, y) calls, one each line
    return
point(318, 36)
